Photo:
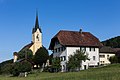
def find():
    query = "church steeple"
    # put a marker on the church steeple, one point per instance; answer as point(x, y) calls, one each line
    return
point(36, 24)
point(36, 35)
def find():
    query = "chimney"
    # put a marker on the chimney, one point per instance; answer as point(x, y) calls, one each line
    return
point(80, 31)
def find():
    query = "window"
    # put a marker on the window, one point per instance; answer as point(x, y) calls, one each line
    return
point(55, 50)
point(83, 49)
point(102, 56)
point(58, 49)
point(103, 61)
point(63, 58)
point(57, 42)
point(62, 48)
point(108, 56)
point(92, 49)
point(37, 37)
point(93, 57)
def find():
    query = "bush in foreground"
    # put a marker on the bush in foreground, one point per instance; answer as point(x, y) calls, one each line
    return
point(5, 66)
point(21, 67)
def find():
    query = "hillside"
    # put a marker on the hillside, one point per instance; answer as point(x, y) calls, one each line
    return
point(113, 42)
point(110, 72)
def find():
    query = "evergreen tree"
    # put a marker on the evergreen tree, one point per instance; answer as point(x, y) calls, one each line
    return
point(41, 56)
point(25, 53)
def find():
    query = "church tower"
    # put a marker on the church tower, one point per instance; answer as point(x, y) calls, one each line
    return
point(36, 36)
point(36, 40)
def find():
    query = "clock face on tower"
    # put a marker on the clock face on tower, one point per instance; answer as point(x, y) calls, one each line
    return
point(37, 37)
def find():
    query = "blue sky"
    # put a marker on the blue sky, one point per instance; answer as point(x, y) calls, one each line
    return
point(17, 18)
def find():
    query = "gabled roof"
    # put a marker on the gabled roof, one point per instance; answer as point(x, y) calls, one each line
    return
point(21, 60)
point(106, 49)
point(27, 46)
point(75, 38)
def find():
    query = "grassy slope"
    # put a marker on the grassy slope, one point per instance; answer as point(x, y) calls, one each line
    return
point(111, 72)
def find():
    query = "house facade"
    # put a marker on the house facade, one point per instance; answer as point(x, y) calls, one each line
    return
point(65, 43)
point(105, 54)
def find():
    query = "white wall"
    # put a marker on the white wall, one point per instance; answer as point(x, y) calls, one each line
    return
point(91, 62)
point(70, 51)
point(90, 56)
point(105, 60)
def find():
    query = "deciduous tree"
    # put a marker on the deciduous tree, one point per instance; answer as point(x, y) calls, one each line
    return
point(75, 60)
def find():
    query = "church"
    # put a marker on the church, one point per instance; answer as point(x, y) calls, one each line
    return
point(36, 42)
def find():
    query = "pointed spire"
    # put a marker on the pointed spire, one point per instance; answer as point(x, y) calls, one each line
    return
point(36, 24)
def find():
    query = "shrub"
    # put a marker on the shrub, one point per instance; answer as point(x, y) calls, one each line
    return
point(20, 67)
point(6, 69)
point(26, 66)
point(46, 69)
point(16, 69)
point(113, 59)
point(56, 67)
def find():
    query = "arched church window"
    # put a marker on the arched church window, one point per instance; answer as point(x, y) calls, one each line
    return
point(37, 37)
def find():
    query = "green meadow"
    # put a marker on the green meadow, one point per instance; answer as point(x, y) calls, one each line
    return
point(111, 72)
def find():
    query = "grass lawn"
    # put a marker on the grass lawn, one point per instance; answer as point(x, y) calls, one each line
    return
point(111, 72)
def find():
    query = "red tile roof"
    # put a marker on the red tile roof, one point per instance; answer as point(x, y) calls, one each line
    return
point(74, 38)
point(27, 46)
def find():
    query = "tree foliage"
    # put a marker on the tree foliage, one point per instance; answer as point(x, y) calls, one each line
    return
point(6, 69)
point(20, 67)
point(113, 42)
point(50, 59)
point(5, 66)
point(75, 60)
point(113, 59)
point(16, 68)
point(56, 64)
point(25, 53)
point(41, 56)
